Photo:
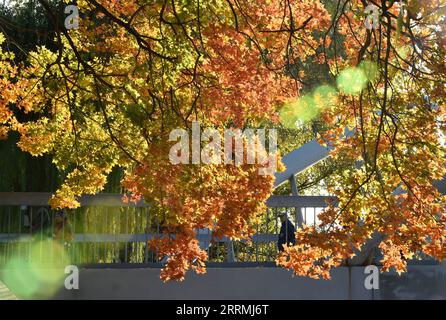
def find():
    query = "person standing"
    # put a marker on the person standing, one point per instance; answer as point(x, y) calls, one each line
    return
point(287, 232)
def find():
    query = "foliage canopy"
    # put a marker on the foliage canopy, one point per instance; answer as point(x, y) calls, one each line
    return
point(107, 95)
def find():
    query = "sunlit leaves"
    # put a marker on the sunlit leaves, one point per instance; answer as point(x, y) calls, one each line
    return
point(8, 93)
point(392, 100)
point(130, 74)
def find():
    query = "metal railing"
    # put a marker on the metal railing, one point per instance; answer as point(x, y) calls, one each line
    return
point(106, 230)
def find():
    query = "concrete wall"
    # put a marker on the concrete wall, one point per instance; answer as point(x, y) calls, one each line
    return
point(269, 283)
point(421, 282)
point(230, 283)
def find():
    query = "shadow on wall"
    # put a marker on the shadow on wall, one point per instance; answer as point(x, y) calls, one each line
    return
point(420, 283)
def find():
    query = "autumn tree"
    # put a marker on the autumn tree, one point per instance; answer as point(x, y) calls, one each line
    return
point(25, 26)
point(109, 93)
point(390, 95)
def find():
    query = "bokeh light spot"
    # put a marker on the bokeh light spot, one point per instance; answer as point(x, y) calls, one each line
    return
point(300, 111)
point(370, 70)
point(325, 97)
point(40, 273)
point(352, 80)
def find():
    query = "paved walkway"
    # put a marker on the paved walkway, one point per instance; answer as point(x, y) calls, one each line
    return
point(5, 293)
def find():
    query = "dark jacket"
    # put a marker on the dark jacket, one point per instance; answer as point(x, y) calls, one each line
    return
point(287, 234)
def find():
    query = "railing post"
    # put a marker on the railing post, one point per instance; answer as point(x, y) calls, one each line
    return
point(146, 249)
point(295, 192)
point(230, 257)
